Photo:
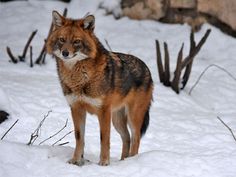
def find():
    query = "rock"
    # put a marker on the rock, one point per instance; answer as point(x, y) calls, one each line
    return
point(220, 13)
point(149, 9)
point(3, 116)
point(188, 4)
point(225, 10)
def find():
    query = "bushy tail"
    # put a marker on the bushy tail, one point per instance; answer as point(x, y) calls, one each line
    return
point(145, 122)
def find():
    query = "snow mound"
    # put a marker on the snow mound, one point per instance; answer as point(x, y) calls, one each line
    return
point(37, 161)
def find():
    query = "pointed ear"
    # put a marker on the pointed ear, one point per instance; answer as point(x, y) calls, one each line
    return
point(57, 19)
point(89, 22)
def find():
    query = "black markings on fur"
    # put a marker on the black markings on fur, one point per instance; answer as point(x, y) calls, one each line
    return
point(66, 90)
point(77, 135)
point(101, 136)
point(73, 23)
point(57, 46)
point(126, 77)
point(85, 90)
point(100, 47)
point(133, 73)
point(110, 72)
point(85, 47)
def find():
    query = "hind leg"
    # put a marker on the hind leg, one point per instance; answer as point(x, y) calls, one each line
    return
point(135, 123)
point(138, 117)
point(119, 120)
point(137, 113)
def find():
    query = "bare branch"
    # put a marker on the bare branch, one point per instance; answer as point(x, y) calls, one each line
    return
point(164, 74)
point(159, 62)
point(108, 45)
point(12, 57)
point(38, 60)
point(195, 51)
point(62, 144)
point(203, 72)
point(175, 82)
point(167, 66)
point(9, 129)
point(189, 66)
point(227, 127)
point(55, 133)
point(22, 57)
point(35, 134)
point(62, 137)
point(44, 58)
point(31, 57)
point(65, 12)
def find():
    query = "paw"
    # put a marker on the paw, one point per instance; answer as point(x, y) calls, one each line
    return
point(104, 162)
point(76, 162)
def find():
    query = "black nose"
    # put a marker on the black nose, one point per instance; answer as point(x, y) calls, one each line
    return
point(65, 53)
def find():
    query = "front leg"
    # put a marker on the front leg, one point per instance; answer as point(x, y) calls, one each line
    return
point(79, 116)
point(105, 128)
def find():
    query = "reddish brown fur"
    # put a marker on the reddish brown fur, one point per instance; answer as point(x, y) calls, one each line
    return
point(112, 79)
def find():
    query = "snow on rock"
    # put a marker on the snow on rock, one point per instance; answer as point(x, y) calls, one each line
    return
point(112, 6)
point(184, 138)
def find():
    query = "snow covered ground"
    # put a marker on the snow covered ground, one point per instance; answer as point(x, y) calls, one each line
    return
point(184, 138)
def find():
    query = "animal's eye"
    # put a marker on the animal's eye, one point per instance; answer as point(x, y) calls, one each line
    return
point(62, 40)
point(77, 42)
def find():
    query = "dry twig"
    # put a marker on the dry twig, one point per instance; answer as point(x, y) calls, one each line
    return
point(22, 57)
point(204, 71)
point(62, 144)
point(108, 45)
point(9, 129)
point(55, 133)
point(62, 137)
point(159, 62)
point(31, 57)
point(227, 127)
point(35, 134)
point(12, 57)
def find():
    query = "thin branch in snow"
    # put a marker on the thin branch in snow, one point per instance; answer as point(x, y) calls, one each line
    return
point(9, 129)
point(31, 57)
point(65, 12)
point(227, 127)
point(62, 137)
point(204, 71)
point(55, 133)
point(109, 47)
point(62, 144)
point(12, 57)
point(22, 57)
point(35, 134)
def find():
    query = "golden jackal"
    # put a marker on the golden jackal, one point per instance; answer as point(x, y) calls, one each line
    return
point(114, 86)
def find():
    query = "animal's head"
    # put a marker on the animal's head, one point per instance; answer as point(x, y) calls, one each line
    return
point(70, 39)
